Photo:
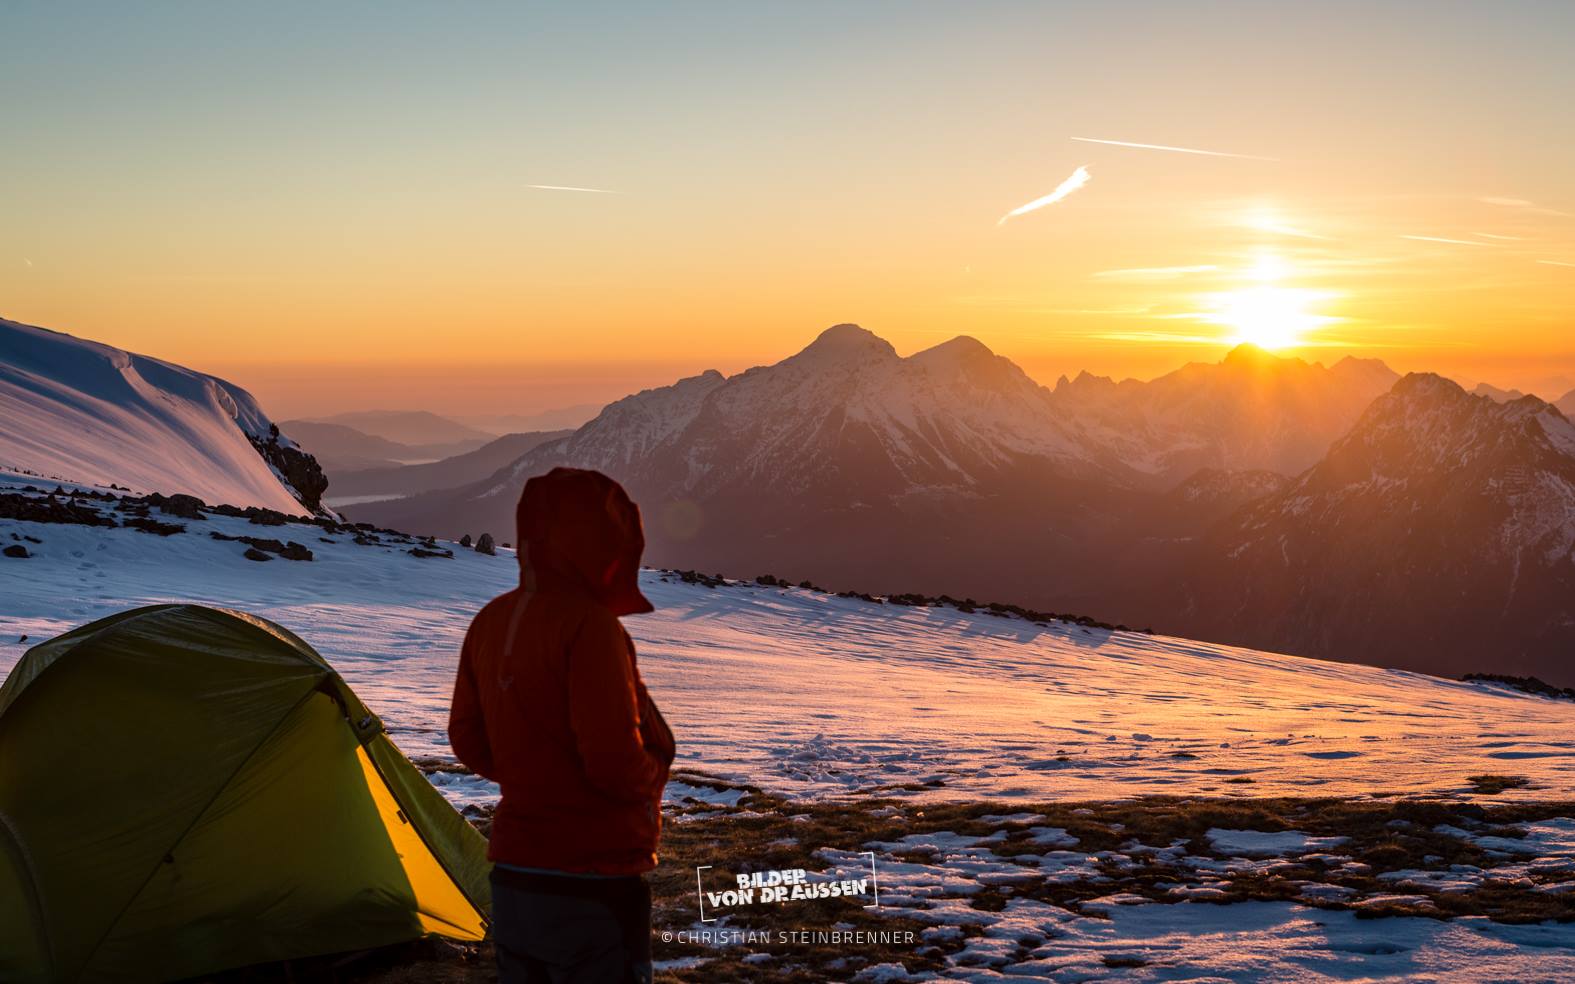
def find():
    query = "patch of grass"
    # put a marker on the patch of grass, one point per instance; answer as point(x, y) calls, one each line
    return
point(768, 832)
point(1490, 785)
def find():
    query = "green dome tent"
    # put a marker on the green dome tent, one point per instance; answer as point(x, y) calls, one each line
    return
point(186, 789)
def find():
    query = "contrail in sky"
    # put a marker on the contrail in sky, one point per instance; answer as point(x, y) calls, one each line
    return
point(1440, 239)
point(1078, 179)
point(598, 191)
point(1175, 150)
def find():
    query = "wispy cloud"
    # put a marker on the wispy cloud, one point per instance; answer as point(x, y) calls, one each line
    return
point(1153, 273)
point(1523, 204)
point(1490, 235)
point(1078, 179)
point(1557, 263)
point(1441, 239)
point(594, 191)
point(1174, 150)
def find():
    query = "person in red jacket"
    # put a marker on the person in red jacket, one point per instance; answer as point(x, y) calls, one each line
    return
point(549, 704)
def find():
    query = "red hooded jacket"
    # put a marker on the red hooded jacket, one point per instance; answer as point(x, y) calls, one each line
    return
point(549, 702)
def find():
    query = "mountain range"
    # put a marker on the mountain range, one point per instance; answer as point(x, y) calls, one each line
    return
point(1338, 511)
point(952, 471)
point(384, 438)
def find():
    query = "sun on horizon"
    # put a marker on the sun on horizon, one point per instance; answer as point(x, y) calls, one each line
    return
point(1267, 313)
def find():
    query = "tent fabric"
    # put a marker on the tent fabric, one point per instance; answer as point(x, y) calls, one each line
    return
point(187, 789)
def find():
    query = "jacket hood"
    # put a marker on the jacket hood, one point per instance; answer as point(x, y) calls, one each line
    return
point(579, 531)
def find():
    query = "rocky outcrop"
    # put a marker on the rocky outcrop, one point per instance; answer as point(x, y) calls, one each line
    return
point(301, 473)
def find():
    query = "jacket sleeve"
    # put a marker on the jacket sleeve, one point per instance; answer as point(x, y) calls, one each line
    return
point(604, 713)
point(467, 729)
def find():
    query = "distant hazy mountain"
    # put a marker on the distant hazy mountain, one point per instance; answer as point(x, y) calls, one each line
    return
point(402, 480)
point(343, 448)
point(1496, 394)
point(1566, 404)
point(340, 448)
point(410, 427)
point(1252, 411)
point(91, 413)
point(559, 418)
point(1438, 535)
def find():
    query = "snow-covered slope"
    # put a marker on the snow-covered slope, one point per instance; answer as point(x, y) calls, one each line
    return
point(830, 700)
point(815, 695)
point(82, 411)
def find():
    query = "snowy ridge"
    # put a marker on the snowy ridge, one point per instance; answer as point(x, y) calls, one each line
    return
point(88, 412)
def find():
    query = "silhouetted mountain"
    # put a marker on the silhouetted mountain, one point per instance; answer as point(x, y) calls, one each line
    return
point(340, 448)
point(1496, 394)
point(1438, 535)
point(402, 480)
point(558, 418)
point(343, 448)
point(411, 427)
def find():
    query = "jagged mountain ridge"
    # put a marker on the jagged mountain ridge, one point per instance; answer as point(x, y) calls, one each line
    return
point(848, 414)
point(1252, 412)
point(1439, 534)
point(949, 469)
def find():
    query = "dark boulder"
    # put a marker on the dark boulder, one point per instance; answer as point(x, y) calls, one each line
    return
point(184, 506)
point(299, 469)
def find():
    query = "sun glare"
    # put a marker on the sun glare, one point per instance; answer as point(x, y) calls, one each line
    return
point(1267, 316)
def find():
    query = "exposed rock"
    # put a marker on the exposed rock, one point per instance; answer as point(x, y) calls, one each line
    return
point(299, 469)
point(184, 506)
point(420, 552)
point(484, 545)
point(289, 551)
point(464, 541)
point(252, 553)
point(153, 526)
point(18, 551)
point(50, 510)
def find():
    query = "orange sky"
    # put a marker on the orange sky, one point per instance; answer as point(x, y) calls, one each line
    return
point(340, 214)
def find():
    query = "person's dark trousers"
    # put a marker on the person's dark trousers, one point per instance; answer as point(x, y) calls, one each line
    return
point(554, 929)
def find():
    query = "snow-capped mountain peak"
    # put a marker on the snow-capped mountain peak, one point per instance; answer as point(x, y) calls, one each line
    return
point(1442, 519)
